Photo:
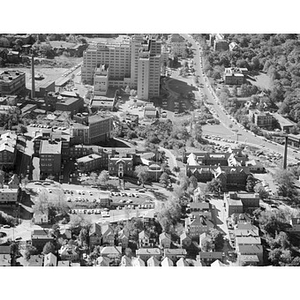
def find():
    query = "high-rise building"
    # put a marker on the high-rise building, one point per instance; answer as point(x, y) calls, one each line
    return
point(132, 61)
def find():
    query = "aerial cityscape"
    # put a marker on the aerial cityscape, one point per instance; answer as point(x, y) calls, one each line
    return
point(144, 150)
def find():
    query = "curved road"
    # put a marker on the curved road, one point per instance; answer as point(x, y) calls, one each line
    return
point(243, 135)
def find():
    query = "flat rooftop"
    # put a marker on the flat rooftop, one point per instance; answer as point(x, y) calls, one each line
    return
point(48, 147)
point(10, 75)
point(88, 158)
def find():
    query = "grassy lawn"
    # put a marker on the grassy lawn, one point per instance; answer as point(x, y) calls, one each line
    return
point(262, 81)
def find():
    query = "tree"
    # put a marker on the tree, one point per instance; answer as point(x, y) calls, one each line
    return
point(132, 93)
point(285, 180)
point(142, 173)
point(215, 186)
point(217, 239)
point(103, 177)
point(127, 90)
point(207, 244)
point(250, 183)
point(29, 251)
point(49, 248)
point(164, 179)
point(84, 237)
point(193, 182)
point(263, 194)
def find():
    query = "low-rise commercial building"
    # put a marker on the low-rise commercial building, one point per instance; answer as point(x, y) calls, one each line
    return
point(12, 82)
point(262, 119)
point(234, 76)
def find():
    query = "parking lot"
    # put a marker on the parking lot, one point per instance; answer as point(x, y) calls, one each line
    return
point(89, 200)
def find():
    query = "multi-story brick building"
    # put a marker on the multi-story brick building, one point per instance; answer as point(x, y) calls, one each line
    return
point(92, 130)
point(120, 165)
point(11, 82)
point(50, 158)
point(234, 76)
point(89, 162)
point(262, 119)
point(72, 105)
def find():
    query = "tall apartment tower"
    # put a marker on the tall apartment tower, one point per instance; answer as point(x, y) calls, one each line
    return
point(149, 67)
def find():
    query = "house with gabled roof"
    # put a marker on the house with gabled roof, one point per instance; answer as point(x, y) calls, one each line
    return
point(144, 239)
point(50, 260)
point(126, 261)
point(217, 263)
point(250, 249)
point(138, 262)
point(185, 240)
point(123, 238)
point(95, 234)
point(295, 225)
point(165, 240)
point(153, 262)
point(182, 263)
point(63, 263)
point(111, 251)
point(68, 252)
point(146, 253)
point(108, 235)
point(207, 258)
point(39, 237)
point(175, 254)
point(167, 262)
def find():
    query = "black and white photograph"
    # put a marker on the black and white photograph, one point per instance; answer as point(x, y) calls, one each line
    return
point(149, 146)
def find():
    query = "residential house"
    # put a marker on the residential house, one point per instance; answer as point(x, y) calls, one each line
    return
point(175, 254)
point(68, 252)
point(138, 262)
point(36, 261)
point(165, 240)
point(74, 264)
point(248, 260)
point(195, 226)
point(95, 235)
point(102, 261)
point(144, 239)
point(182, 263)
point(108, 235)
point(153, 262)
point(123, 238)
point(64, 263)
point(255, 249)
point(167, 262)
point(40, 237)
point(217, 263)
point(255, 166)
point(207, 258)
point(185, 240)
point(246, 229)
point(202, 237)
point(40, 217)
point(295, 226)
point(146, 253)
point(111, 252)
point(50, 260)
point(126, 261)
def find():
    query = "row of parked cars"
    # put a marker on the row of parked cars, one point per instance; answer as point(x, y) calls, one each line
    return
point(103, 212)
point(124, 194)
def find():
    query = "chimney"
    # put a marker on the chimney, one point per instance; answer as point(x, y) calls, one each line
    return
point(285, 152)
point(32, 78)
